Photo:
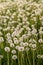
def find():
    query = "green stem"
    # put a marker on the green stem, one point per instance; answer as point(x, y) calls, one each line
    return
point(28, 59)
point(0, 61)
point(21, 58)
point(18, 58)
point(33, 59)
point(7, 58)
point(11, 61)
point(26, 62)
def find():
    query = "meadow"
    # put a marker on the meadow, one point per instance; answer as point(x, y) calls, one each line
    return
point(21, 32)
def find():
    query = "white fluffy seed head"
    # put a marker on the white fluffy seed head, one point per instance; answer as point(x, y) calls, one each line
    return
point(17, 47)
point(34, 31)
point(21, 49)
point(7, 49)
point(1, 39)
point(24, 44)
point(26, 49)
point(40, 40)
point(33, 47)
point(40, 56)
point(16, 41)
point(11, 45)
point(13, 51)
point(14, 57)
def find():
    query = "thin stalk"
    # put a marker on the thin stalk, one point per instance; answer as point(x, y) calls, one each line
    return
point(11, 60)
point(7, 58)
point(18, 59)
point(28, 59)
point(33, 59)
point(21, 58)
point(0, 61)
point(26, 62)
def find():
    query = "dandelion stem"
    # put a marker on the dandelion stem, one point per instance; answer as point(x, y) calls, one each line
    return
point(7, 58)
point(26, 62)
point(0, 61)
point(33, 59)
point(11, 60)
point(18, 58)
point(21, 58)
point(28, 59)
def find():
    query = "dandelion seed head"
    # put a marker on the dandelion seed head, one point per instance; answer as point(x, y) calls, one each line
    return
point(13, 51)
point(1, 39)
point(21, 49)
point(12, 45)
point(7, 49)
point(14, 57)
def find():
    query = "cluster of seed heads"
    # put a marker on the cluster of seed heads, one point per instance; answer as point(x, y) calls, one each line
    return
point(21, 27)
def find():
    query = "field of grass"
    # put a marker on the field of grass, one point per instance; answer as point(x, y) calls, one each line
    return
point(21, 32)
